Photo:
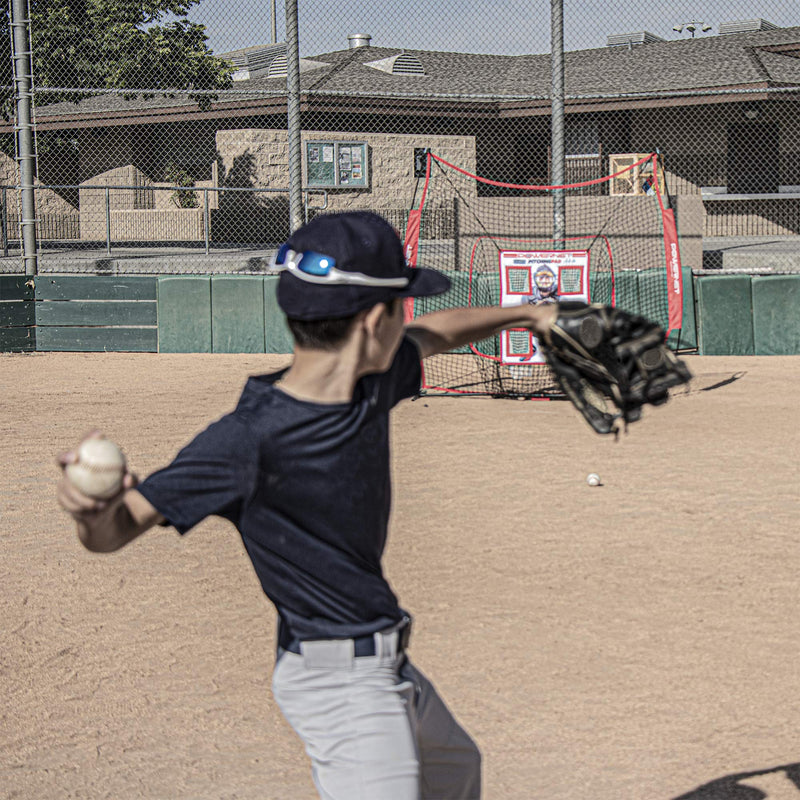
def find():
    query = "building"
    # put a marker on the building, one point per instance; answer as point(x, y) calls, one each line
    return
point(722, 109)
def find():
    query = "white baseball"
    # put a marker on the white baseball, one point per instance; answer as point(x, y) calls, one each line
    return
point(593, 479)
point(99, 469)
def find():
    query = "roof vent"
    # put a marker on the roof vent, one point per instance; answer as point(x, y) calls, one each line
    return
point(630, 39)
point(250, 60)
point(279, 67)
point(401, 64)
point(406, 64)
point(358, 40)
point(746, 26)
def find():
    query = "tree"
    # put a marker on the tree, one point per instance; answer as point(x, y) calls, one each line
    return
point(144, 45)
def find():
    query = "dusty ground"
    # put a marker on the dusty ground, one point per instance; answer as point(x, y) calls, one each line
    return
point(635, 640)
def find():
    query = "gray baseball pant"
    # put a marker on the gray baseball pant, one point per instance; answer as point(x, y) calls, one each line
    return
point(374, 726)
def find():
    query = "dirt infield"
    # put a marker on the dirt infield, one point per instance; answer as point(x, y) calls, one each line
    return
point(634, 641)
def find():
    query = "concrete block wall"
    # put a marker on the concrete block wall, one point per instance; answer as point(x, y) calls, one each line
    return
point(261, 158)
point(167, 225)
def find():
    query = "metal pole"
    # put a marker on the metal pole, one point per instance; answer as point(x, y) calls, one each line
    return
point(27, 162)
point(293, 114)
point(4, 222)
point(205, 218)
point(108, 221)
point(274, 22)
point(558, 173)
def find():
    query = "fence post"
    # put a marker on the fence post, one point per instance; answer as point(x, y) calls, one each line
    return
point(23, 95)
point(108, 220)
point(205, 218)
point(4, 221)
point(557, 119)
point(456, 237)
point(293, 117)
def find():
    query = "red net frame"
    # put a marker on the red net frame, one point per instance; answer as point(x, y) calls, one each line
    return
point(671, 253)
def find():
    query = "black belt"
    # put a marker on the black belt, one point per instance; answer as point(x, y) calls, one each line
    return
point(363, 646)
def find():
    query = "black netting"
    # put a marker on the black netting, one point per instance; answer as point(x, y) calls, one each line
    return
point(507, 249)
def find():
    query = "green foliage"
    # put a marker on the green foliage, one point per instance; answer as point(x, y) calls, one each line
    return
point(183, 198)
point(117, 44)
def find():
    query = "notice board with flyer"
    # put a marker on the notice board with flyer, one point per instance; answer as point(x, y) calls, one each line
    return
point(334, 165)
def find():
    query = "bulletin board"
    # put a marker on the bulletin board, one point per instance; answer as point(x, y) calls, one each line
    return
point(334, 165)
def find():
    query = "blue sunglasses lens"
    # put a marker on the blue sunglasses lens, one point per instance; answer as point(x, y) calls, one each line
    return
point(315, 264)
point(309, 262)
point(280, 258)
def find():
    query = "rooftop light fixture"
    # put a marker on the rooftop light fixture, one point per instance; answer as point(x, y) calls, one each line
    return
point(692, 27)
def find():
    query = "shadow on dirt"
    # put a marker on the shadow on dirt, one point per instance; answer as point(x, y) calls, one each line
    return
point(733, 378)
point(770, 784)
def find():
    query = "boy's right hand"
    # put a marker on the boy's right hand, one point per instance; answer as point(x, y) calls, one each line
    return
point(88, 512)
point(105, 525)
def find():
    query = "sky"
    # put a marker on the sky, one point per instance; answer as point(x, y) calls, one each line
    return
point(509, 27)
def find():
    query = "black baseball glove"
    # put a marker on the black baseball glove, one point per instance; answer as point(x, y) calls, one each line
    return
point(610, 363)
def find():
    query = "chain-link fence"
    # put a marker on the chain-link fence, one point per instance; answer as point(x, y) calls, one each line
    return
point(161, 142)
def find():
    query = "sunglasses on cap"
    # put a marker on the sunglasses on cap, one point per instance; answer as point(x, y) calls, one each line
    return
point(318, 268)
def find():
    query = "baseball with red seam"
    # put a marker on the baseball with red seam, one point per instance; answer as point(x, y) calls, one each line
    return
point(98, 470)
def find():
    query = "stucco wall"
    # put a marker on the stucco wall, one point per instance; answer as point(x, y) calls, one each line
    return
point(260, 158)
point(57, 216)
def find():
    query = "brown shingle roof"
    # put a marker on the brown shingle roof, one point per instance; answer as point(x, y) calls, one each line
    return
point(713, 62)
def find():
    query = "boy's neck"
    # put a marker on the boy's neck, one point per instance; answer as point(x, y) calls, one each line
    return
point(321, 376)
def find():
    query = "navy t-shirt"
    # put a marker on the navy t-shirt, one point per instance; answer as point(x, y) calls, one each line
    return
point(308, 486)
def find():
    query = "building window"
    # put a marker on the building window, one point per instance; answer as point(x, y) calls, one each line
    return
point(753, 158)
point(337, 165)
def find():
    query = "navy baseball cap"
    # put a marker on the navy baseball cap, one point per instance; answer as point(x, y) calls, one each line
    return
point(339, 264)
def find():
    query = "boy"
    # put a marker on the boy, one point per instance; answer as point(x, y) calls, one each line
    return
point(301, 468)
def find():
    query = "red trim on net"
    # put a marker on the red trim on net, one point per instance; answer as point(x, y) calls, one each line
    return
point(672, 254)
point(410, 248)
point(674, 271)
point(532, 188)
point(520, 268)
point(411, 244)
point(506, 334)
point(671, 247)
point(427, 179)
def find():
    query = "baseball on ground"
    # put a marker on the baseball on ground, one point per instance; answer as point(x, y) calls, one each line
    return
point(593, 479)
point(99, 469)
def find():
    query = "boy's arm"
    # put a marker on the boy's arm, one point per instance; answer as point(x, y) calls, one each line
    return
point(106, 525)
point(446, 330)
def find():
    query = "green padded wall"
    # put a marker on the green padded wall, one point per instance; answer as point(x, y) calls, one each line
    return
point(15, 312)
point(17, 316)
point(776, 315)
point(96, 340)
point(90, 313)
point(686, 337)
point(486, 292)
point(652, 292)
point(277, 336)
point(15, 287)
point(458, 295)
point(626, 288)
point(96, 313)
point(724, 315)
point(237, 314)
point(95, 287)
point(184, 314)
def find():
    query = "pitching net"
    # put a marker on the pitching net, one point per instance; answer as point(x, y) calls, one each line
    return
point(618, 246)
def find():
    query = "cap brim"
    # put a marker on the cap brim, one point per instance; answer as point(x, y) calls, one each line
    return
point(307, 301)
point(424, 282)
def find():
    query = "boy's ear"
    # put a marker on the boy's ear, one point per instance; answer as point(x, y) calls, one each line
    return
point(373, 316)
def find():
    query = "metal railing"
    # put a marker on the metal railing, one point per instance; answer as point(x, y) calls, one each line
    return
point(212, 197)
